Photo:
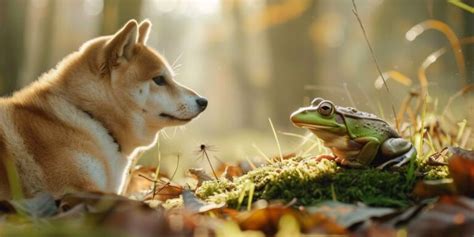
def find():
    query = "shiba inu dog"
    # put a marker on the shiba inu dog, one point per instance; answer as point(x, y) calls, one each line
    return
point(78, 127)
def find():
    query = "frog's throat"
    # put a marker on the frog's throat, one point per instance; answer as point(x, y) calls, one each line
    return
point(323, 128)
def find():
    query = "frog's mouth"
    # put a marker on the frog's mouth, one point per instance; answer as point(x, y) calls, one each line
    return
point(310, 126)
point(301, 119)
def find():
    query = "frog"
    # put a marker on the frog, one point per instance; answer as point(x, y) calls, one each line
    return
point(356, 138)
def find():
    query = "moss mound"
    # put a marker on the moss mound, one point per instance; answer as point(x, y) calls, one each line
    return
point(312, 182)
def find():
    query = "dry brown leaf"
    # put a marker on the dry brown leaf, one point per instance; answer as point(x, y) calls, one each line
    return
point(347, 215)
point(196, 205)
point(125, 215)
point(450, 216)
point(138, 183)
point(378, 230)
point(267, 220)
point(461, 168)
point(165, 192)
point(231, 171)
point(200, 175)
point(432, 188)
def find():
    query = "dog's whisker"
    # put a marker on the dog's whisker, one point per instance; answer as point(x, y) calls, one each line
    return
point(176, 60)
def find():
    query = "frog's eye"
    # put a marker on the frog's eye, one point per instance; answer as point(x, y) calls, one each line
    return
point(326, 108)
point(316, 101)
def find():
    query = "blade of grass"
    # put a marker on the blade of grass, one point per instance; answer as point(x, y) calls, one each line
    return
point(262, 154)
point(462, 127)
point(242, 195)
point(13, 179)
point(251, 191)
point(333, 193)
point(466, 137)
point(250, 162)
point(430, 143)
point(276, 139)
point(450, 35)
point(422, 128)
point(306, 139)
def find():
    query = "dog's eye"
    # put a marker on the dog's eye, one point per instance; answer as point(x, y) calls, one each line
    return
point(160, 80)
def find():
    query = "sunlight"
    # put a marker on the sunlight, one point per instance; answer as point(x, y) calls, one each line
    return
point(93, 7)
point(187, 7)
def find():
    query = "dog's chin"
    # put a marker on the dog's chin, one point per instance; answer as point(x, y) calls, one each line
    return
point(176, 119)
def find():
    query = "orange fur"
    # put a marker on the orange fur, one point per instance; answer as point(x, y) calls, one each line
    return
point(78, 127)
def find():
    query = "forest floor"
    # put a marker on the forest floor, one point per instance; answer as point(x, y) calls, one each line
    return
point(290, 195)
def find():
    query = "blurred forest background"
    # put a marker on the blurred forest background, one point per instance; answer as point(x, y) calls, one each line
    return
point(253, 59)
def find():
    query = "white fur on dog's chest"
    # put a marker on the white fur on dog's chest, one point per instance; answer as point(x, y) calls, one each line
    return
point(106, 171)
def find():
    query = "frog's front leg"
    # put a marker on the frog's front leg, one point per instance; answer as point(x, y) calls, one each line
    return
point(368, 152)
point(338, 160)
point(399, 150)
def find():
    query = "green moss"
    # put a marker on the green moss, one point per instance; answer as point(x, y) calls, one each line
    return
point(433, 172)
point(312, 182)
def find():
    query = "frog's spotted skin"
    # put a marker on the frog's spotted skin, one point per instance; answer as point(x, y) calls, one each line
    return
point(358, 138)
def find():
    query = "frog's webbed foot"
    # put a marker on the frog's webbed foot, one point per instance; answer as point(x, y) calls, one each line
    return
point(325, 156)
point(338, 160)
point(399, 160)
point(352, 164)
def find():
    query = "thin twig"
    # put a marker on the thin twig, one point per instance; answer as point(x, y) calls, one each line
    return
point(147, 178)
point(372, 53)
point(167, 183)
point(210, 164)
point(171, 179)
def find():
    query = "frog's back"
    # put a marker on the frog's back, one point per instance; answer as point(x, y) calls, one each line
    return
point(363, 124)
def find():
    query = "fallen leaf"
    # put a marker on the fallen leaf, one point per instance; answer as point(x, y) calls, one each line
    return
point(231, 171)
point(403, 216)
point(288, 226)
point(144, 187)
point(232, 229)
point(137, 219)
point(450, 216)
point(461, 168)
point(264, 219)
point(137, 182)
point(432, 188)
point(200, 175)
point(196, 205)
point(347, 215)
point(376, 230)
point(134, 218)
point(268, 220)
point(164, 192)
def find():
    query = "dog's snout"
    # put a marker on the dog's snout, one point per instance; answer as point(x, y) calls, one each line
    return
point(202, 102)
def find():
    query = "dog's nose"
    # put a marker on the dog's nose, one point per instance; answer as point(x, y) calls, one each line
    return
point(202, 102)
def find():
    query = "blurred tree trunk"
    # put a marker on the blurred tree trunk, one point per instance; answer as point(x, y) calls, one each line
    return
point(290, 44)
point(38, 40)
point(118, 12)
point(469, 50)
point(12, 21)
point(45, 62)
point(240, 68)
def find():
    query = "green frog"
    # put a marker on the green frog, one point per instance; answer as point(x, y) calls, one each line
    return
point(357, 139)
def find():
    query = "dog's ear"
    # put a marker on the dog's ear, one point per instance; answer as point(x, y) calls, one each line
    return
point(144, 31)
point(123, 42)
